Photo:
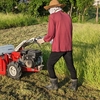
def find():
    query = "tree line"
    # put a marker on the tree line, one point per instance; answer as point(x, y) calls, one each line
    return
point(77, 9)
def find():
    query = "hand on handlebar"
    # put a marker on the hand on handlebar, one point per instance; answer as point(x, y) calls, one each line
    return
point(40, 41)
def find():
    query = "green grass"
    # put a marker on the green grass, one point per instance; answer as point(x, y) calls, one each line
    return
point(14, 20)
point(86, 46)
point(86, 42)
point(86, 55)
point(18, 20)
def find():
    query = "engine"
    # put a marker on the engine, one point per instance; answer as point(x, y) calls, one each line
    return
point(32, 58)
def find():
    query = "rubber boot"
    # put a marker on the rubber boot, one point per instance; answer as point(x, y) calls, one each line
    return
point(53, 85)
point(74, 84)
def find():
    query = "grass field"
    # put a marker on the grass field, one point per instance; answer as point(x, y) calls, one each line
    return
point(86, 54)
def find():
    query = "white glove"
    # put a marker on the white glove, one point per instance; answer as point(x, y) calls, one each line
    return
point(40, 41)
point(51, 41)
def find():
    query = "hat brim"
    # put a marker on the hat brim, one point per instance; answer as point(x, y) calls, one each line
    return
point(58, 5)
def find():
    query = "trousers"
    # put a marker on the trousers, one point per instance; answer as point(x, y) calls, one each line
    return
point(54, 57)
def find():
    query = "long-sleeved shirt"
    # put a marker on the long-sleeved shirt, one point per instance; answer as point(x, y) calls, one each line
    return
point(60, 30)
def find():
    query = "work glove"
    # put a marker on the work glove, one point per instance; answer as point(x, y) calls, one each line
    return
point(40, 41)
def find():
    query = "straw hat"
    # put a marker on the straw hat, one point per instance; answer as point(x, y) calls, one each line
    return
point(54, 3)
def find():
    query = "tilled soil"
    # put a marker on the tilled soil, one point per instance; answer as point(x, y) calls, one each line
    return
point(31, 86)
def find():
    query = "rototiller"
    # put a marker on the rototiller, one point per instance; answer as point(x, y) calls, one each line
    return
point(14, 61)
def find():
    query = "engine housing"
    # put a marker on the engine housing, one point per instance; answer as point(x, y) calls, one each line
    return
point(32, 58)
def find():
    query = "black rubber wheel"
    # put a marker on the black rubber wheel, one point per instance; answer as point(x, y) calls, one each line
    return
point(14, 70)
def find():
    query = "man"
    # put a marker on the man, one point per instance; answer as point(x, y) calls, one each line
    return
point(60, 31)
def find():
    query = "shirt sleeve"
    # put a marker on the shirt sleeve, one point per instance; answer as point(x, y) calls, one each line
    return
point(51, 30)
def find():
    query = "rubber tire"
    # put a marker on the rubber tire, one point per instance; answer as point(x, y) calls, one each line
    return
point(14, 70)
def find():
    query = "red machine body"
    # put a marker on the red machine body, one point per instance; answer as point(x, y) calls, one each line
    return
point(14, 56)
point(5, 59)
point(14, 61)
